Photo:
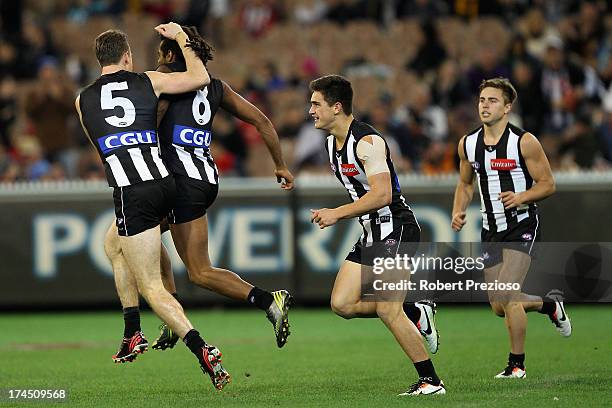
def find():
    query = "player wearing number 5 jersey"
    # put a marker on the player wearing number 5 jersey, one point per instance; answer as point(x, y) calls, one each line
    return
point(118, 112)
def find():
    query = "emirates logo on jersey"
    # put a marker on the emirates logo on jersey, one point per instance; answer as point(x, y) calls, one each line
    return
point(349, 170)
point(503, 164)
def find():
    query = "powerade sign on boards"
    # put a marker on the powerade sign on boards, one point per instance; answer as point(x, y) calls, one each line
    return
point(111, 142)
point(186, 136)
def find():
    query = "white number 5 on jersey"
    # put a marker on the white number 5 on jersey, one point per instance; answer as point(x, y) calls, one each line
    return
point(108, 102)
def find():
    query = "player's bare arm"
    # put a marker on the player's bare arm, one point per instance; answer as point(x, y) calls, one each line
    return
point(163, 104)
point(371, 151)
point(539, 168)
point(196, 75)
point(246, 111)
point(77, 105)
point(464, 190)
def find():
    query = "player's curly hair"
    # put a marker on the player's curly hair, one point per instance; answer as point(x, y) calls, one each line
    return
point(196, 42)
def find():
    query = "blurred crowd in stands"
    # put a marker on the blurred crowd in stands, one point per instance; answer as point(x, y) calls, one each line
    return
point(415, 66)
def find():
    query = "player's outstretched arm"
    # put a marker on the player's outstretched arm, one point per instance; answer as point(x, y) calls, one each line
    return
point(246, 111)
point(372, 152)
point(196, 75)
point(539, 169)
point(464, 190)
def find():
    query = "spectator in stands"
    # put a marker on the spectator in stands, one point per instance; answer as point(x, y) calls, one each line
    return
point(580, 144)
point(229, 148)
point(89, 166)
point(256, 17)
point(488, 65)
point(8, 58)
point(395, 134)
point(585, 30)
point(537, 31)
point(430, 53)
point(30, 153)
point(9, 169)
point(341, 11)
point(8, 108)
point(308, 12)
point(605, 130)
point(530, 104)
point(35, 45)
point(562, 84)
point(449, 88)
point(49, 106)
point(421, 9)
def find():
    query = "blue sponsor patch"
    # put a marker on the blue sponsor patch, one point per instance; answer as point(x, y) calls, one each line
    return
point(116, 140)
point(187, 136)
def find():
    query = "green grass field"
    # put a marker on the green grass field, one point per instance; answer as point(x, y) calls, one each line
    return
point(327, 362)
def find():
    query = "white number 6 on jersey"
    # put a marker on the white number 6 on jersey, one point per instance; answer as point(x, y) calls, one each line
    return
point(201, 98)
point(108, 102)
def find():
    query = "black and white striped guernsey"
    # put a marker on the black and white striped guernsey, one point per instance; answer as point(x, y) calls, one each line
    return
point(351, 173)
point(119, 111)
point(499, 168)
point(185, 132)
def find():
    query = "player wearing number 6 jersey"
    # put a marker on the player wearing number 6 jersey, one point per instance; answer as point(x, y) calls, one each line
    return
point(185, 134)
point(118, 113)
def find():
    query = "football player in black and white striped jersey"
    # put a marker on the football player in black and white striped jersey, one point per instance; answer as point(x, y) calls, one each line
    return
point(360, 159)
point(513, 174)
point(183, 118)
point(118, 114)
point(185, 134)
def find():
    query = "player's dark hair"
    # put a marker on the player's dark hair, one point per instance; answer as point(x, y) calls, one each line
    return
point(335, 88)
point(110, 46)
point(196, 42)
point(500, 83)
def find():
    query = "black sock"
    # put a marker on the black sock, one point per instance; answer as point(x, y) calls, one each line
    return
point(195, 343)
point(175, 295)
point(260, 298)
point(516, 360)
point(548, 308)
point(427, 370)
point(413, 312)
point(131, 318)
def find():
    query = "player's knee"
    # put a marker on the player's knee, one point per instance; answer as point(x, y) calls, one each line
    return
point(510, 305)
point(498, 309)
point(341, 308)
point(112, 247)
point(505, 298)
point(388, 311)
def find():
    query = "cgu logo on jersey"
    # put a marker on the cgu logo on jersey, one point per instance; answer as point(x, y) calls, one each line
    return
point(117, 140)
point(186, 136)
point(349, 170)
point(503, 164)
